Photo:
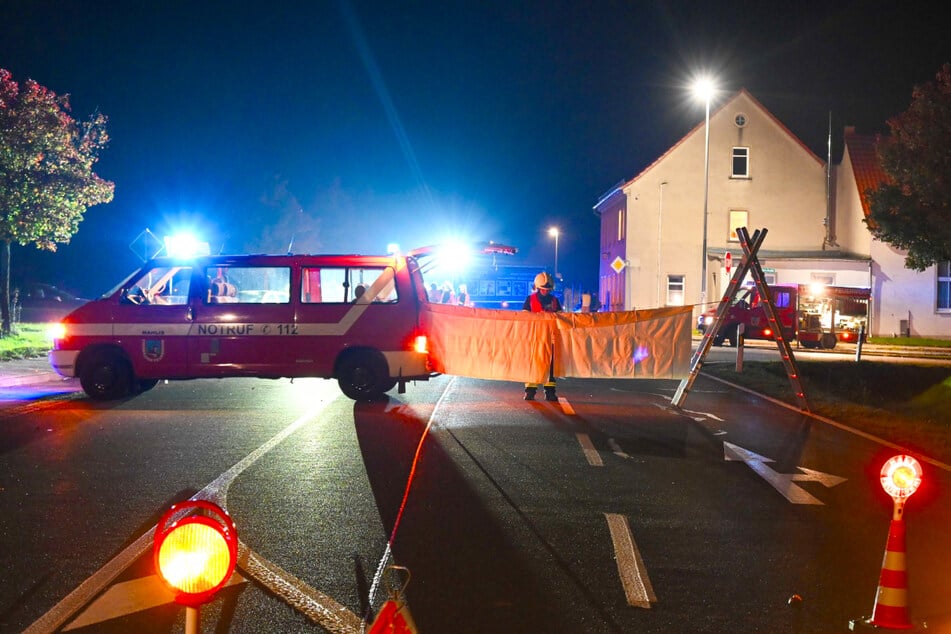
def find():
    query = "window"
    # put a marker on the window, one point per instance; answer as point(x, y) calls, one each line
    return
point(737, 219)
point(944, 287)
point(160, 286)
point(340, 285)
point(781, 299)
point(248, 285)
point(620, 225)
point(741, 162)
point(675, 290)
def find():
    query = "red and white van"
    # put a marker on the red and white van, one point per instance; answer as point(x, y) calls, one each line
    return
point(350, 317)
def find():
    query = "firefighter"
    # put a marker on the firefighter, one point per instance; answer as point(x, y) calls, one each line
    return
point(543, 301)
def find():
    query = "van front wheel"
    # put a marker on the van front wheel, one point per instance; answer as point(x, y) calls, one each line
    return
point(106, 376)
point(363, 377)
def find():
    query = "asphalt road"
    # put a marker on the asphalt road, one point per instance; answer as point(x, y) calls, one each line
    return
point(609, 511)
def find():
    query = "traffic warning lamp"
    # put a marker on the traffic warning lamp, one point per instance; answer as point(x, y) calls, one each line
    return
point(901, 476)
point(195, 555)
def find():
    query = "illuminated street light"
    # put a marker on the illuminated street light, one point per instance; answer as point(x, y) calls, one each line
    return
point(553, 231)
point(704, 89)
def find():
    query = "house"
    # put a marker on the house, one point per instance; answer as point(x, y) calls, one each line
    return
point(760, 176)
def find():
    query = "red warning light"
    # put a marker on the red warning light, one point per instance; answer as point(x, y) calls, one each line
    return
point(196, 555)
point(901, 476)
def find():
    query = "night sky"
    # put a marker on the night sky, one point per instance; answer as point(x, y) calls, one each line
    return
point(351, 124)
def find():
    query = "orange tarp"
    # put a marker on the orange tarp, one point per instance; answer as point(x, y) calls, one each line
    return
point(518, 346)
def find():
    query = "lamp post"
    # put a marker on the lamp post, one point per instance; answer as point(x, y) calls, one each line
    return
point(553, 231)
point(703, 89)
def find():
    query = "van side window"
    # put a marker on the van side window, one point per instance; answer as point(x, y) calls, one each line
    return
point(159, 286)
point(339, 285)
point(248, 285)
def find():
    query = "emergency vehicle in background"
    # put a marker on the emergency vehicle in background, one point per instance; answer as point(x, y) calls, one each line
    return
point(354, 318)
point(817, 316)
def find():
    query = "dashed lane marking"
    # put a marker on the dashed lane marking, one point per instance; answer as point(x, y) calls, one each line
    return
point(630, 565)
point(566, 406)
point(590, 453)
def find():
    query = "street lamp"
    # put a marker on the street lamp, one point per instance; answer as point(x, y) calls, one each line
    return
point(703, 89)
point(553, 231)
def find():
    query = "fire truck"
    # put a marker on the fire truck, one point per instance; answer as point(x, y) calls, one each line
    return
point(817, 316)
point(355, 318)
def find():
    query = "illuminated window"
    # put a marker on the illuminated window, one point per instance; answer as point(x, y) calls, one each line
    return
point(620, 225)
point(944, 287)
point(741, 162)
point(737, 219)
point(248, 284)
point(339, 285)
point(675, 290)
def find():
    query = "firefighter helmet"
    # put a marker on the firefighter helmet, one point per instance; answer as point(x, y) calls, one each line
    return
point(543, 280)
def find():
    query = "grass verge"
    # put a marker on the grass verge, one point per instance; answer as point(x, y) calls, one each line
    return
point(25, 342)
point(904, 403)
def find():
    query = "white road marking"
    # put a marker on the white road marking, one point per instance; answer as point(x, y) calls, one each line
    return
point(828, 421)
point(307, 601)
point(630, 566)
point(616, 448)
point(703, 415)
point(566, 406)
point(590, 453)
point(129, 597)
point(782, 482)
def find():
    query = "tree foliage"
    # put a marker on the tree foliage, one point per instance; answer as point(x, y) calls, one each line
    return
point(912, 211)
point(46, 171)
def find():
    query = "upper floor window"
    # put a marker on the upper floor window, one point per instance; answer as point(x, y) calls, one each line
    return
point(738, 218)
point(675, 290)
point(741, 162)
point(944, 287)
point(620, 225)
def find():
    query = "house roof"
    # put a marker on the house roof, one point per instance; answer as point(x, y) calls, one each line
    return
point(699, 127)
point(865, 164)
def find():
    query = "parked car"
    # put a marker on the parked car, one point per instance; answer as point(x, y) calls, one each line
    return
point(40, 303)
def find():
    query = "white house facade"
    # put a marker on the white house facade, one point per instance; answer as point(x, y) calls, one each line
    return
point(760, 176)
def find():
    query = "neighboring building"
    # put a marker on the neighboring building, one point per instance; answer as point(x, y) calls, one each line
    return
point(904, 301)
point(760, 176)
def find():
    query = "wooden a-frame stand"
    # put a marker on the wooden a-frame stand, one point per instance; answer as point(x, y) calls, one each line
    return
point(749, 264)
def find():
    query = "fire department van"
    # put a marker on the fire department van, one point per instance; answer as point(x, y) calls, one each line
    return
point(349, 317)
point(817, 317)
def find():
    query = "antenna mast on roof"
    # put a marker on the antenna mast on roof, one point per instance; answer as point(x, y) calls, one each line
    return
point(829, 221)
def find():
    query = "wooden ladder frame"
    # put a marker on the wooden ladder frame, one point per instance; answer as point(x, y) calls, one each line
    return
point(749, 264)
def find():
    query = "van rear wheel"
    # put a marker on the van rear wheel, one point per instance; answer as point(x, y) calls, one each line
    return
point(363, 376)
point(106, 376)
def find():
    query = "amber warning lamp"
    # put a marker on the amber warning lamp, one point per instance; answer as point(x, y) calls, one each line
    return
point(196, 554)
point(901, 477)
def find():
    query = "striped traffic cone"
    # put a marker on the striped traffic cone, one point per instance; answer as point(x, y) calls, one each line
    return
point(891, 602)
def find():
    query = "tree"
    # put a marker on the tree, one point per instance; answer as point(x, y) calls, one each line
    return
point(912, 210)
point(46, 172)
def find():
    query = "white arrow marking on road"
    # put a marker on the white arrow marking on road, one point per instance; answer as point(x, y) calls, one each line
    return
point(827, 479)
point(782, 482)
